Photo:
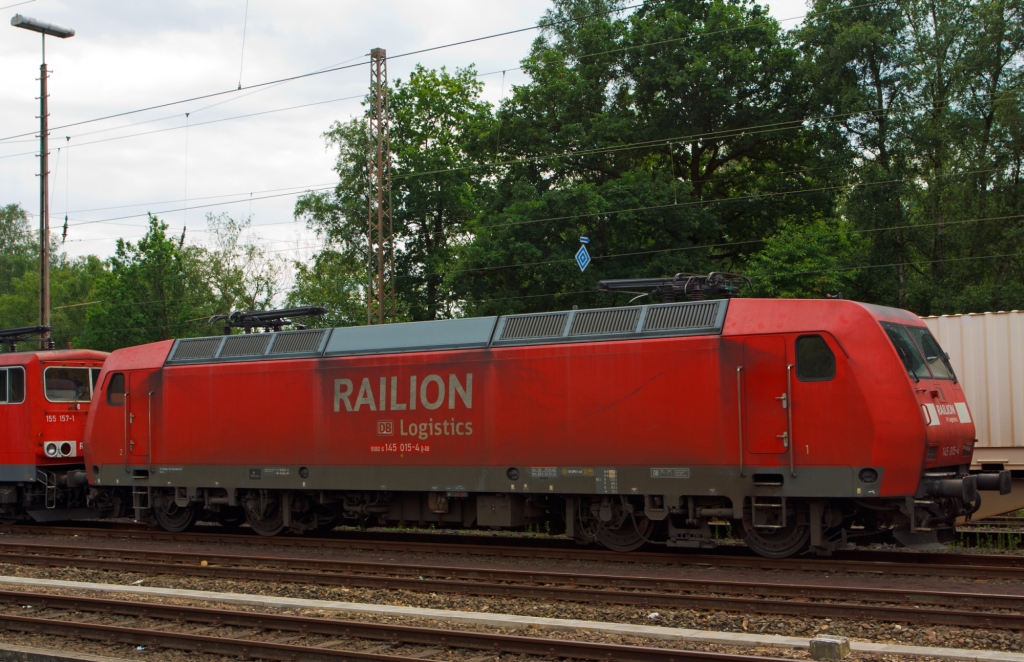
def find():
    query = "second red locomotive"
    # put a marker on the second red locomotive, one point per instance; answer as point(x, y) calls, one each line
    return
point(45, 396)
point(809, 423)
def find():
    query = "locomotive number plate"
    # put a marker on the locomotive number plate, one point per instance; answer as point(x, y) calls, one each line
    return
point(671, 472)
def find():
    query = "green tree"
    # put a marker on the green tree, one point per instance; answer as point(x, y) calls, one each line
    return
point(71, 281)
point(153, 290)
point(927, 93)
point(673, 138)
point(243, 274)
point(18, 250)
point(806, 260)
point(334, 280)
point(437, 119)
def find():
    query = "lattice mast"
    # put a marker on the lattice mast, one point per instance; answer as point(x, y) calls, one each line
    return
point(381, 305)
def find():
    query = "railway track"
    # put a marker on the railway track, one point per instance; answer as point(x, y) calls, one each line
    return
point(945, 564)
point(1014, 524)
point(958, 608)
point(287, 637)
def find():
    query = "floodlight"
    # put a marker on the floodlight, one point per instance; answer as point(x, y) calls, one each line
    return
point(35, 25)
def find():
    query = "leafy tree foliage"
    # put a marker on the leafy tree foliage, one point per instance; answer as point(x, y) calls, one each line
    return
point(18, 250)
point(436, 120)
point(632, 133)
point(154, 290)
point(927, 93)
point(806, 260)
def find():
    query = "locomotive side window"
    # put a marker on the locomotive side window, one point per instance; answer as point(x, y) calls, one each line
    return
point(15, 385)
point(933, 354)
point(907, 350)
point(12, 386)
point(115, 389)
point(95, 374)
point(815, 361)
point(67, 384)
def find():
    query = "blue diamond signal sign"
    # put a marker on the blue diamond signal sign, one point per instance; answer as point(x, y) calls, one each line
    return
point(582, 258)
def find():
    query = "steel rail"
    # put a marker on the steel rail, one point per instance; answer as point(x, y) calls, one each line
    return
point(486, 583)
point(306, 626)
point(348, 573)
point(882, 563)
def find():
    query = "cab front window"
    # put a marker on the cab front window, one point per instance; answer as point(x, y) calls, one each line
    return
point(907, 350)
point(65, 384)
point(933, 354)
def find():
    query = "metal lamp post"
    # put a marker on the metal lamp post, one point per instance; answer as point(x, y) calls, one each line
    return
point(44, 29)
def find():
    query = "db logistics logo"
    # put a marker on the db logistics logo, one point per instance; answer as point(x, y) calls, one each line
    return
point(385, 428)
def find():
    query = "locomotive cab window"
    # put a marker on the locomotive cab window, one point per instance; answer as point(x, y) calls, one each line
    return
point(907, 350)
point(12, 386)
point(115, 389)
point(815, 361)
point(933, 354)
point(67, 384)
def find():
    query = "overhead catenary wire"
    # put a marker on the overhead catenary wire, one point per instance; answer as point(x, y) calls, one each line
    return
point(305, 75)
point(563, 217)
point(195, 124)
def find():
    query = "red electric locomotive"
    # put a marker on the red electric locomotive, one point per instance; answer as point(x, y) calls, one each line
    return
point(811, 423)
point(44, 401)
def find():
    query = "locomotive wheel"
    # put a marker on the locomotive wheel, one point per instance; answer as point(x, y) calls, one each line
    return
point(778, 543)
point(630, 534)
point(175, 519)
point(268, 523)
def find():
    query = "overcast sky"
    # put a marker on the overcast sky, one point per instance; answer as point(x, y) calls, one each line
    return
point(130, 54)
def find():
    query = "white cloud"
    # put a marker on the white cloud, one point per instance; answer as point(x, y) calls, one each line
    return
point(134, 53)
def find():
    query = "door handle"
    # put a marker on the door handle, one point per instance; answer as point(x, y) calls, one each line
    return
point(131, 418)
point(785, 439)
point(785, 400)
point(131, 447)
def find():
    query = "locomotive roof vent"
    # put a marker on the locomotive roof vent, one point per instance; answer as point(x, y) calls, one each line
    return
point(195, 349)
point(251, 344)
point(298, 342)
point(678, 316)
point(612, 320)
point(543, 325)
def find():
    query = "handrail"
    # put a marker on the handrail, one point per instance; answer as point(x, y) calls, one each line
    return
point(739, 412)
point(789, 416)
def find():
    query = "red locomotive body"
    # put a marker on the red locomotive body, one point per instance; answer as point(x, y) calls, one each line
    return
point(811, 422)
point(45, 398)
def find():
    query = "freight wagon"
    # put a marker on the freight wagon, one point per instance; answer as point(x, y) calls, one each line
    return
point(986, 351)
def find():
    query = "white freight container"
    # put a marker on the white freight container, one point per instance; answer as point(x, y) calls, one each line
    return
point(987, 353)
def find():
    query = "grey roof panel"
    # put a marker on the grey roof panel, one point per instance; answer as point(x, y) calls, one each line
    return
point(602, 324)
point(463, 333)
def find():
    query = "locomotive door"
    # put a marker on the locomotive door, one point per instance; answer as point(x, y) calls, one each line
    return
point(765, 402)
point(138, 432)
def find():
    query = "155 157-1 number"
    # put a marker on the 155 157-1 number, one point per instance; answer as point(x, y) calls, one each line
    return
point(60, 418)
